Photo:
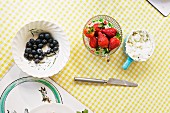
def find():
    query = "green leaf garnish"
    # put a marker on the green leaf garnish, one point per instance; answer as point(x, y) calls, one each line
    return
point(93, 21)
point(85, 111)
point(106, 50)
point(118, 35)
point(97, 52)
point(101, 25)
point(101, 20)
point(110, 25)
point(91, 29)
point(97, 48)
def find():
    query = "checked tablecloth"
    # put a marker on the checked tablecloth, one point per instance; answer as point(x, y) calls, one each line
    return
point(152, 94)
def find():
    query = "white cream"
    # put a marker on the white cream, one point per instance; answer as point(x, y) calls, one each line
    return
point(139, 46)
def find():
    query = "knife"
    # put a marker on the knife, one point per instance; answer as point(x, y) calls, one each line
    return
point(111, 81)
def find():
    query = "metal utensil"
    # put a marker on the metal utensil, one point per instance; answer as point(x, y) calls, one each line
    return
point(111, 81)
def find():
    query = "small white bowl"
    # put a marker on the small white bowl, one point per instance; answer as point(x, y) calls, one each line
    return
point(52, 108)
point(144, 54)
point(52, 65)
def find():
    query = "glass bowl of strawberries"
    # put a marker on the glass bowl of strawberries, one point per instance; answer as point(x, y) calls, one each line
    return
point(102, 35)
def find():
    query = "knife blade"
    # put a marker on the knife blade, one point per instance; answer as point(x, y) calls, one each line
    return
point(111, 81)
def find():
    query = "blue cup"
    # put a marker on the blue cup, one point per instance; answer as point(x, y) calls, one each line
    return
point(129, 60)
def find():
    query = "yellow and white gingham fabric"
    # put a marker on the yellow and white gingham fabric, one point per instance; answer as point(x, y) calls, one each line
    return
point(152, 94)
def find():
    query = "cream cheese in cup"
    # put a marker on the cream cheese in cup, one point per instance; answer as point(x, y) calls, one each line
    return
point(138, 46)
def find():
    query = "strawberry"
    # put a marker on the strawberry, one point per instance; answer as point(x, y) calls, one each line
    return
point(96, 27)
point(105, 22)
point(93, 42)
point(114, 43)
point(109, 32)
point(89, 32)
point(102, 40)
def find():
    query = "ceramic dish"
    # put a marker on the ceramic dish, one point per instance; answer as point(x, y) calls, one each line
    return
point(52, 108)
point(51, 65)
point(161, 5)
point(29, 92)
point(137, 48)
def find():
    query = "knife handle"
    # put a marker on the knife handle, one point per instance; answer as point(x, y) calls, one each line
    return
point(89, 80)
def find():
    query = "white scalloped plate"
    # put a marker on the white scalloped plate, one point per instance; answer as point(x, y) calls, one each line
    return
point(52, 64)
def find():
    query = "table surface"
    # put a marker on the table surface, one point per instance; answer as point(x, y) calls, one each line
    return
point(152, 76)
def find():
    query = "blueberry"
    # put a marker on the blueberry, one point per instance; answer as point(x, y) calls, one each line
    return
point(32, 41)
point(30, 56)
point(48, 52)
point(39, 51)
point(51, 50)
point(36, 56)
point(34, 52)
point(44, 54)
point(47, 36)
point(40, 45)
point(55, 48)
point(38, 41)
point(50, 40)
point(57, 45)
point(44, 41)
point(40, 57)
point(26, 55)
point(51, 45)
point(41, 35)
point(36, 61)
point(28, 50)
point(34, 46)
point(55, 42)
point(28, 45)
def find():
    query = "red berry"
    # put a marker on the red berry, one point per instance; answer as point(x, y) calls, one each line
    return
point(89, 32)
point(114, 43)
point(96, 27)
point(105, 22)
point(102, 40)
point(109, 32)
point(93, 42)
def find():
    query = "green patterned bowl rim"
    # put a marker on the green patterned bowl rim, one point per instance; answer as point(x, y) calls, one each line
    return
point(28, 79)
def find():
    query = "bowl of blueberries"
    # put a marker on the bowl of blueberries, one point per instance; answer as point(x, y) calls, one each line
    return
point(41, 49)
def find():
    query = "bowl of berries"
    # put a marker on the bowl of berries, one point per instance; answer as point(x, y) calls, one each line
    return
point(102, 35)
point(41, 49)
